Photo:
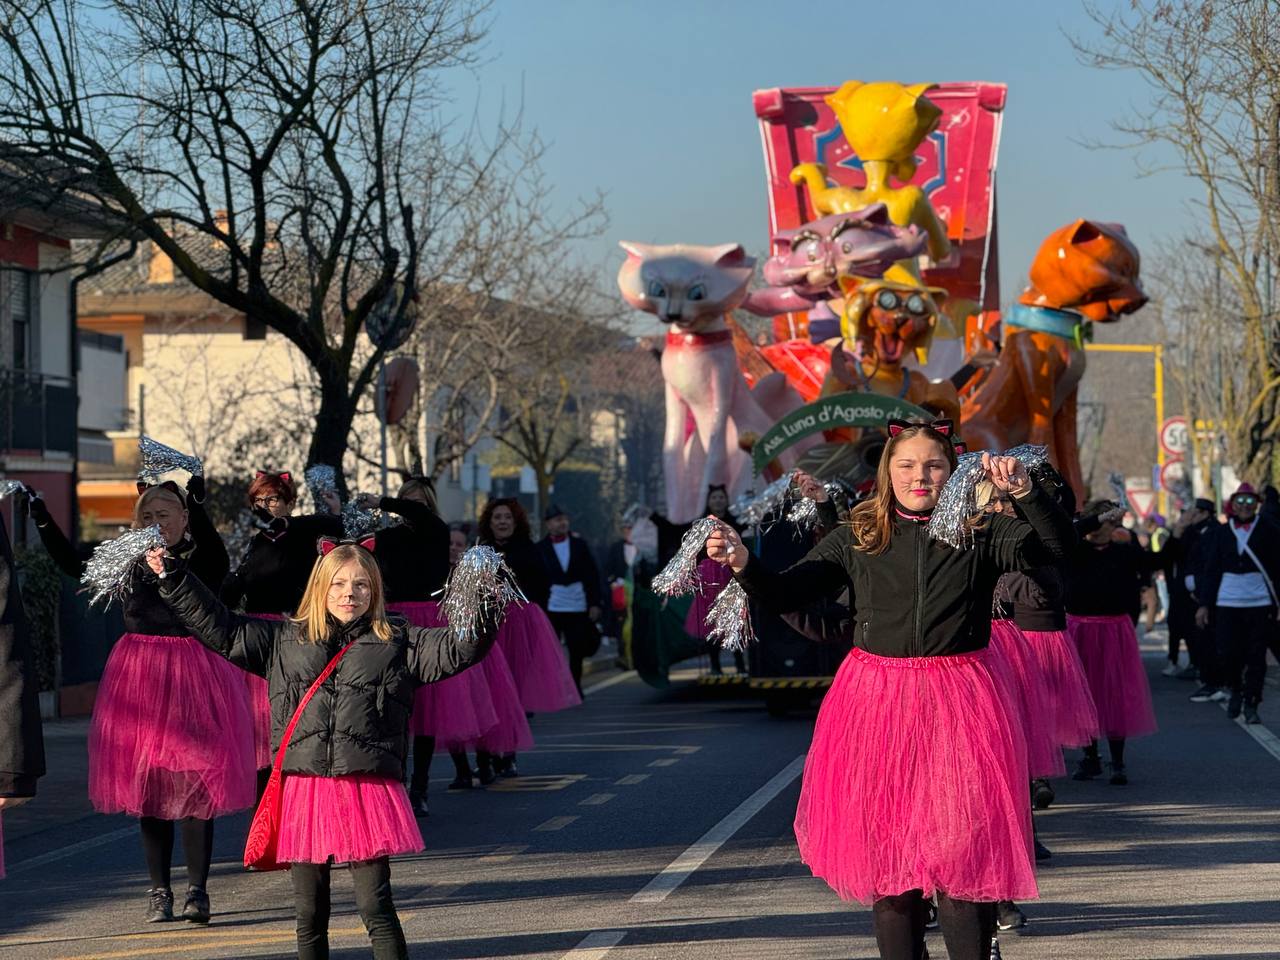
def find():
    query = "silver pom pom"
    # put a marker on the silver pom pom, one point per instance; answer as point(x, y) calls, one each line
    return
point(481, 584)
point(9, 487)
point(805, 513)
point(109, 571)
point(358, 522)
point(680, 576)
point(729, 619)
point(751, 509)
point(156, 460)
point(1116, 481)
point(321, 479)
point(958, 502)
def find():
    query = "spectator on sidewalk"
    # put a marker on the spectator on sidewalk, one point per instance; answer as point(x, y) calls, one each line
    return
point(21, 736)
point(1182, 554)
point(1237, 597)
point(619, 566)
point(574, 603)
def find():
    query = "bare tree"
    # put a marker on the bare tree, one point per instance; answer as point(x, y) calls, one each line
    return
point(287, 156)
point(1213, 71)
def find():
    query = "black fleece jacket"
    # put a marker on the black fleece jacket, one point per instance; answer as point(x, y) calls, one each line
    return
point(21, 736)
point(273, 573)
point(413, 556)
point(358, 721)
point(920, 598)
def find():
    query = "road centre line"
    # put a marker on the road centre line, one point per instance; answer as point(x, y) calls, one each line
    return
point(666, 762)
point(683, 866)
point(596, 799)
point(595, 945)
point(72, 849)
point(607, 683)
point(631, 779)
point(555, 823)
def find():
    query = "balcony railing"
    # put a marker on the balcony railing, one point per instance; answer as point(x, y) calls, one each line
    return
point(37, 413)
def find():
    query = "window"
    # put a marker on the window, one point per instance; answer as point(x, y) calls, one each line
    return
point(19, 290)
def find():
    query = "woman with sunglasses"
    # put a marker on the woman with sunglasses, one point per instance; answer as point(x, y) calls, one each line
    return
point(270, 579)
point(916, 782)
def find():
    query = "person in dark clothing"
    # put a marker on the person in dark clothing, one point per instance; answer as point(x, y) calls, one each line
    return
point(527, 639)
point(270, 578)
point(1183, 556)
point(1104, 580)
point(917, 702)
point(1236, 591)
point(343, 798)
point(21, 735)
point(574, 601)
point(171, 739)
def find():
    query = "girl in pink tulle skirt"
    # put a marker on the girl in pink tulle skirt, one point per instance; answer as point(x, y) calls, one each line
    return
point(1104, 595)
point(344, 799)
point(171, 739)
point(916, 781)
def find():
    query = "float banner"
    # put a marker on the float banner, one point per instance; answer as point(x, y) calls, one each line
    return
point(829, 413)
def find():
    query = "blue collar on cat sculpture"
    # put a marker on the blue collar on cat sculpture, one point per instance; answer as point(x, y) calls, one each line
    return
point(1066, 324)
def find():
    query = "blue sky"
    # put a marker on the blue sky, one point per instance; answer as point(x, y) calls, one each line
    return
point(650, 102)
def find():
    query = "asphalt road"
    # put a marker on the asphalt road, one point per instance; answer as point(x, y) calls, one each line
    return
point(658, 825)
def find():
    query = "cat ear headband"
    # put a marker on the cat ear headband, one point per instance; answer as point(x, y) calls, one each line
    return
point(944, 427)
point(169, 485)
point(285, 476)
point(326, 545)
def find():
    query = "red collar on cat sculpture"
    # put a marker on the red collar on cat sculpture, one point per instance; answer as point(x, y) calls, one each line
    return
point(675, 339)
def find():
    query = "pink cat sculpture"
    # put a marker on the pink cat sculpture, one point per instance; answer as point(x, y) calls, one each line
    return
point(692, 288)
point(859, 244)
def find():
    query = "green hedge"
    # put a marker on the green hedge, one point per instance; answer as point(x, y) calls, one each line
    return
point(41, 584)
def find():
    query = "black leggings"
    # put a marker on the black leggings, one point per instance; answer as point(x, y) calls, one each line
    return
point(1114, 744)
point(157, 848)
point(967, 927)
point(372, 879)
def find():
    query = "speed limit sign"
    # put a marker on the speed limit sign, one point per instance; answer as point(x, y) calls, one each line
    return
point(1174, 437)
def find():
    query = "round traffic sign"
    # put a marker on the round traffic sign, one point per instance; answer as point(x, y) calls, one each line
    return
point(1173, 476)
point(1174, 437)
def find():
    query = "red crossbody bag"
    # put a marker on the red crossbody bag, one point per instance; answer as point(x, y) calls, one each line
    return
point(264, 833)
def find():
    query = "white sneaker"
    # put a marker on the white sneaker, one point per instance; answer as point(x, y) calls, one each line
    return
point(1219, 695)
point(1170, 671)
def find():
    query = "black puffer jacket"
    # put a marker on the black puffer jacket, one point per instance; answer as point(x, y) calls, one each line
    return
point(920, 598)
point(358, 721)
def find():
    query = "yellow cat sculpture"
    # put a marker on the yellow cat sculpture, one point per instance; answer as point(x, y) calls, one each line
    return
point(884, 123)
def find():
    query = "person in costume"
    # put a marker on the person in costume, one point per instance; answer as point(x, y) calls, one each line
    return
point(573, 604)
point(1104, 579)
point(171, 740)
point(343, 796)
point(918, 713)
point(475, 707)
point(270, 579)
point(1236, 590)
point(527, 639)
point(1182, 556)
point(21, 735)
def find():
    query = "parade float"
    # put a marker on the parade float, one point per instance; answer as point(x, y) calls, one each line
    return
point(881, 290)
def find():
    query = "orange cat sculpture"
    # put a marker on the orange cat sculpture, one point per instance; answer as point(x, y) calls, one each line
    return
point(1086, 272)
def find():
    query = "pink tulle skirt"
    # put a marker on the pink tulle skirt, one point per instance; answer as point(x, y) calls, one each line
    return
point(714, 577)
point(1075, 719)
point(1108, 648)
point(171, 735)
point(260, 708)
point(536, 659)
point(1044, 754)
point(917, 780)
point(359, 817)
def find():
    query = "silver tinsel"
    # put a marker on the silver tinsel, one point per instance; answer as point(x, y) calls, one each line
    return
point(680, 576)
point(156, 460)
point(481, 584)
point(9, 487)
point(751, 509)
point(358, 522)
point(805, 513)
point(108, 572)
point(729, 619)
point(958, 502)
point(320, 479)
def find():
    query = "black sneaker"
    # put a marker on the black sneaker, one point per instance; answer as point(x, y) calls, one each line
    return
point(1203, 695)
point(510, 770)
point(1041, 794)
point(159, 905)
point(1234, 705)
point(462, 783)
point(1043, 853)
point(1118, 777)
point(1251, 713)
point(1087, 769)
point(418, 803)
point(196, 909)
point(1009, 917)
point(1187, 673)
point(930, 915)
point(995, 953)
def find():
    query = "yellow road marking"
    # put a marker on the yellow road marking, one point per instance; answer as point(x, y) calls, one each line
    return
point(555, 823)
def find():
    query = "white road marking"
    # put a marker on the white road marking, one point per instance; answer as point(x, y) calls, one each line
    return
point(1266, 739)
point(71, 850)
point(683, 866)
point(631, 779)
point(667, 762)
point(595, 945)
point(606, 684)
point(596, 799)
point(555, 823)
